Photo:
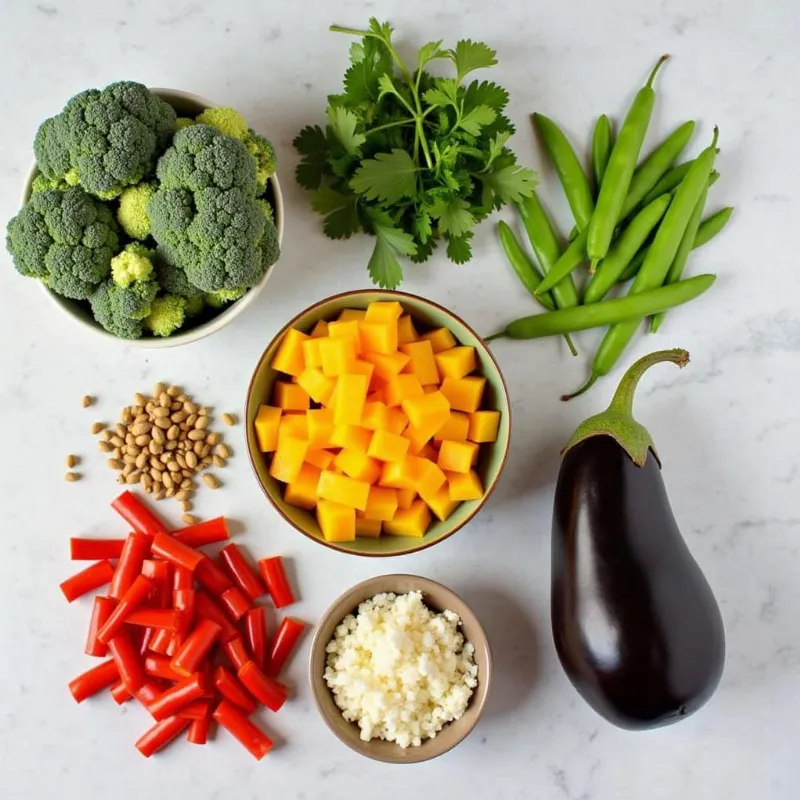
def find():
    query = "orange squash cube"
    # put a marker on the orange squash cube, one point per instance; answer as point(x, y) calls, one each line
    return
point(401, 387)
point(319, 427)
point(378, 337)
point(321, 459)
point(359, 367)
point(483, 426)
point(464, 486)
point(289, 358)
point(457, 456)
point(349, 329)
point(401, 474)
point(381, 503)
point(429, 452)
point(358, 465)
point(429, 478)
point(456, 362)
point(336, 355)
point(440, 503)
point(405, 497)
point(413, 521)
point(302, 491)
point(427, 413)
point(440, 339)
point(350, 398)
point(288, 459)
point(320, 330)
point(375, 415)
point(388, 446)
point(311, 356)
point(417, 439)
point(387, 365)
point(398, 421)
point(376, 395)
point(266, 425)
point(351, 437)
point(423, 363)
point(455, 429)
point(337, 522)
point(316, 384)
point(290, 396)
point(343, 490)
point(370, 528)
point(384, 312)
point(464, 394)
point(293, 425)
point(356, 314)
point(406, 332)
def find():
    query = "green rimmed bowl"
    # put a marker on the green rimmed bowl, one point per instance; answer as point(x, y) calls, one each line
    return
point(426, 315)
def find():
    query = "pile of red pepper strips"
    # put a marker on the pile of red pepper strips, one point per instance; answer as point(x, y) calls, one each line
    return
point(170, 617)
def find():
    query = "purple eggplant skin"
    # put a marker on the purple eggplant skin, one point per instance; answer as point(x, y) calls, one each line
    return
point(635, 623)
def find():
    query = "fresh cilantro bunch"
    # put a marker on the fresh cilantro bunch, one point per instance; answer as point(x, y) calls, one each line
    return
point(410, 158)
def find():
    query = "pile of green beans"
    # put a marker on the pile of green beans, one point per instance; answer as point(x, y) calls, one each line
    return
point(634, 221)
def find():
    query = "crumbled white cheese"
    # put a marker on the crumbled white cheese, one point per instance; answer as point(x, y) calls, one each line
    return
point(400, 670)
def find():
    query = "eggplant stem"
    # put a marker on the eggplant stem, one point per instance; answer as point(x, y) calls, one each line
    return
point(622, 402)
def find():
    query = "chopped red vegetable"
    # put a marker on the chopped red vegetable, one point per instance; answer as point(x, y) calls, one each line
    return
point(87, 579)
point(235, 603)
point(229, 687)
point(206, 608)
point(180, 694)
point(169, 548)
point(155, 618)
point(236, 652)
point(255, 629)
point(208, 532)
point(127, 660)
point(94, 680)
point(160, 572)
point(282, 645)
point(240, 572)
point(211, 577)
point(120, 693)
point(94, 549)
point(138, 592)
point(158, 667)
point(198, 730)
point(196, 647)
point(183, 602)
point(137, 514)
point(267, 691)
point(175, 642)
point(182, 578)
point(159, 642)
point(248, 734)
point(160, 735)
point(101, 611)
point(197, 709)
point(134, 552)
point(274, 575)
point(148, 692)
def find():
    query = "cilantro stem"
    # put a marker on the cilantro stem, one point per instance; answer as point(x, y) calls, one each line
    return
point(390, 125)
point(353, 31)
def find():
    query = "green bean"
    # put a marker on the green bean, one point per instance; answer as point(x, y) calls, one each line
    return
point(610, 312)
point(682, 255)
point(670, 181)
point(620, 169)
point(601, 149)
point(624, 249)
point(659, 258)
point(570, 172)
point(527, 271)
point(572, 257)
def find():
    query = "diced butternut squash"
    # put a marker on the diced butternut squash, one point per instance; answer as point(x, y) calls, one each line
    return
point(266, 425)
point(289, 358)
point(423, 363)
point(412, 521)
point(320, 329)
point(455, 429)
point(381, 503)
point(464, 486)
point(348, 314)
point(378, 337)
point(351, 437)
point(417, 439)
point(370, 528)
point(302, 491)
point(288, 459)
point(400, 474)
point(291, 396)
point(398, 420)
point(336, 355)
point(384, 312)
point(464, 394)
point(457, 362)
point(406, 332)
point(388, 446)
point(427, 413)
point(349, 329)
point(387, 365)
point(483, 426)
point(375, 416)
point(375, 395)
point(358, 465)
point(337, 522)
point(440, 339)
point(401, 387)
point(319, 427)
point(359, 367)
point(405, 497)
point(350, 398)
point(429, 452)
point(440, 503)
point(311, 356)
point(321, 459)
point(429, 477)
point(343, 490)
point(316, 384)
point(293, 425)
point(458, 456)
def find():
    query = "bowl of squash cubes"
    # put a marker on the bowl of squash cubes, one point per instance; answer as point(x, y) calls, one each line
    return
point(377, 423)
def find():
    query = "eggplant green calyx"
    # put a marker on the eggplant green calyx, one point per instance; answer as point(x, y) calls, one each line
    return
point(617, 420)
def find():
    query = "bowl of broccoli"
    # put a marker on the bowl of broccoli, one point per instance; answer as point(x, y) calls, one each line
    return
point(150, 215)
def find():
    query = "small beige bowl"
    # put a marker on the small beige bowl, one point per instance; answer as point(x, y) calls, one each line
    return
point(436, 597)
point(187, 105)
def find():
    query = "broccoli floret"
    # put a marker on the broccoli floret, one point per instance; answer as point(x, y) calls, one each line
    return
point(266, 160)
point(167, 314)
point(183, 122)
point(41, 184)
point(66, 238)
point(172, 278)
point(132, 211)
point(108, 139)
point(226, 120)
point(120, 310)
point(205, 216)
point(266, 207)
point(134, 263)
point(223, 296)
point(194, 305)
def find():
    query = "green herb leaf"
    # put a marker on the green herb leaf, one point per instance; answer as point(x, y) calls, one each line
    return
point(313, 146)
point(429, 52)
point(453, 215)
point(388, 177)
point(343, 123)
point(469, 56)
point(340, 210)
point(445, 93)
point(383, 266)
point(474, 120)
point(356, 52)
point(383, 30)
point(421, 226)
point(485, 93)
point(459, 249)
point(496, 146)
point(510, 184)
point(424, 252)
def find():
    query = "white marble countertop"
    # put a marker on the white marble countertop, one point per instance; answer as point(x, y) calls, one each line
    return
point(728, 427)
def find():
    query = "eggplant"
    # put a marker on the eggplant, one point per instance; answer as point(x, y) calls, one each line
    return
point(635, 623)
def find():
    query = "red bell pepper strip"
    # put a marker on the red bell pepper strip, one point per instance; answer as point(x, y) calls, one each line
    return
point(240, 571)
point(236, 652)
point(211, 577)
point(160, 735)
point(94, 680)
point(137, 514)
point(94, 549)
point(160, 572)
point(255, 629)
point(136, 595)
point(147, 635)
point(165, 546)
point(237, 724)
point(230, 688)
point(197, 709)
point(182, 579)
point(158, 667)
point(274, 575)
point(206, 608)
point(198, 730)
point(101, 611)
point(155, 618)
point(196, 647)
point(170, 701)
point(148, 692)
point(208, 532)
point(87, 580)
point(174, 645)
point(235, 603)
point(282, 645)
point(127, 659)
point(183, 603)
point(160, 640)
point(134, 552)
point(267, 691)
point(120, 693)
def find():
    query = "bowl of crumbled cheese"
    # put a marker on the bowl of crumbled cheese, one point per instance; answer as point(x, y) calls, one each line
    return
point(400, 668)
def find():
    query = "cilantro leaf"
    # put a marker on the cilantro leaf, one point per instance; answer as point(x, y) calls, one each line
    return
point(510, 184)
point(388, 177)
point(343, 124)
point(496, 146)
point(421, 226)
point(453, 215)
point(340, 210)
point(459, 249)
point(429, 52)
point(469, 56)
point(382, 30)
point(356, 52)
point(424, 252)
point(444, 93)
point(474, 120)
point(485, 93)
point(313, 146)
point(383, 266)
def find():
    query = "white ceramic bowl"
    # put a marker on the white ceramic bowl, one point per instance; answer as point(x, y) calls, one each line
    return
point(189, 105)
